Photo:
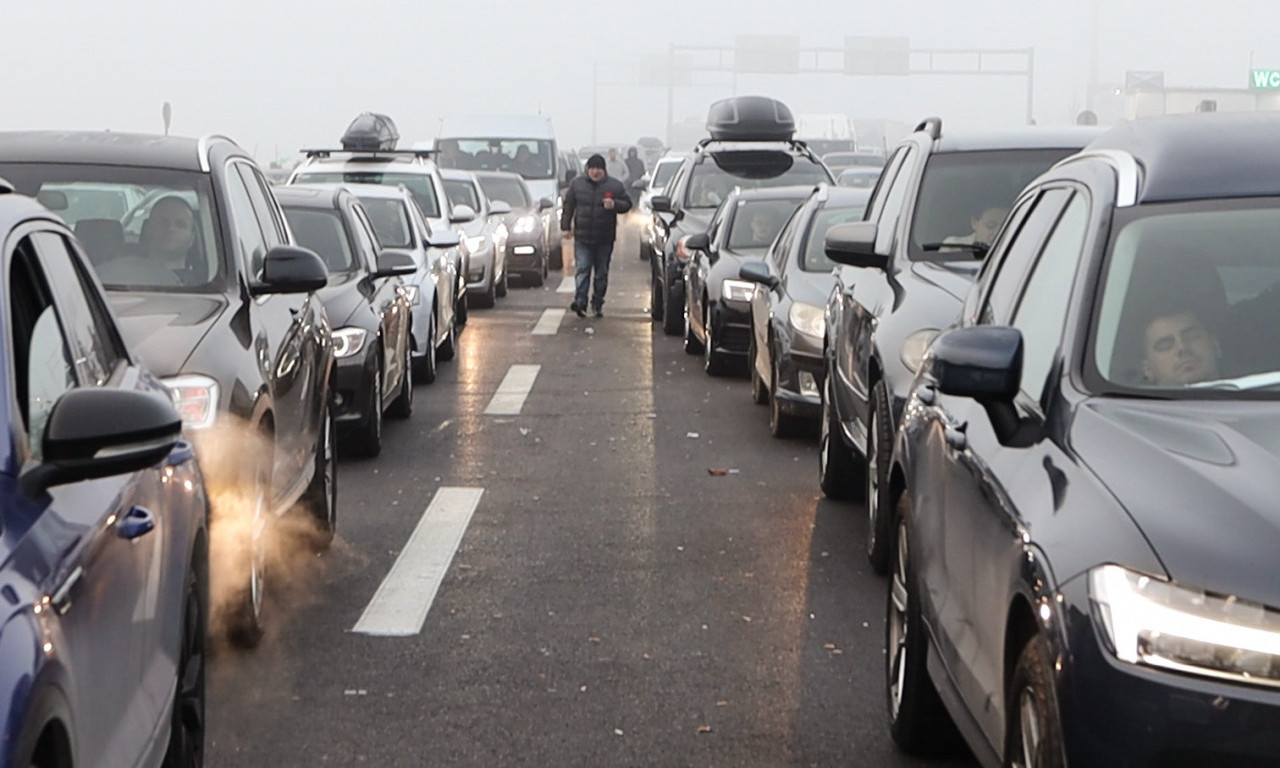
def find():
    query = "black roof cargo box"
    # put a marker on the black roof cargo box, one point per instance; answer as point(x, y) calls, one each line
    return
point(750, 118)
point(370, 132)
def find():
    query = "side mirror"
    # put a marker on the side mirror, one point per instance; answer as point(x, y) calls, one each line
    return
point(393, 261)
point(98, 432)
point(461, 214)
point(983, 362)
point(758, 272)
point(660, 203)
point(444, 239)
point(291, 269)
point(698, 241)
point(641, 183)
point(499, 208)
point(854, 244)
point(545, 204)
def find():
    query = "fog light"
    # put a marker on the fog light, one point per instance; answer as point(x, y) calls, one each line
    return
point(338, 400)
point(808, 385)
point(475, 275)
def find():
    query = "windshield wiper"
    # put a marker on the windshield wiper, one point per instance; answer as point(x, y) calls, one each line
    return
point(978, 250)
point(1246, 382)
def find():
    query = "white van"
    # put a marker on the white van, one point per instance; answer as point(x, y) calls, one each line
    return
point(523, 144)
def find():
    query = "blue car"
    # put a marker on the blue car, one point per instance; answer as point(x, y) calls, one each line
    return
point(103, 525)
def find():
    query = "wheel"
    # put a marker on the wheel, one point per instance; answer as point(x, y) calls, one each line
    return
point(759, 393)
point(321, 497)
point(402, 406)
point(879, 446)
point(691, 344)
point(780, 424)
point(655, 300)
point(644, 252)
point(501, 289)
point(369, 437)
point(487, 299)
point(712, 360)
point(918, 722)
point(186, 732)
point(245, 624)
point(427, 364)
point(556, 256)
point(673, 320)
point(1034, 730)
point(460, 305)
point(449, 349)
point(839, 471)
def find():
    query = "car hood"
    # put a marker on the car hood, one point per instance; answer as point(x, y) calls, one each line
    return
point(163, 329)
point(341, 298)
point(810, 287)
point(1199, 479)
point(954, 277)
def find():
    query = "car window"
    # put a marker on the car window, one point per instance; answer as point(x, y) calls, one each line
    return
point(719, 173)
point(1042, 309)
point(245, 226)
point(884, 182)
point(390, 221)
point(508, 190)
point(757, 222)
point(321, 231)
point(461, 193)
point(419, 184)
point(43, 368)
point(781, 249)
point(272, 229)
point(1007, 281)
point(366, 240)
point(87, 328)
point(887, 224)
point(815, 255)
point(662, 173)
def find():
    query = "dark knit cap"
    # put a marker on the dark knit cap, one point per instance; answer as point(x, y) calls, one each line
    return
point(595, 161)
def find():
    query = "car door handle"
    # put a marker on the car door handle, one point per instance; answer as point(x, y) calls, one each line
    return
point(956, 437)
point(138, 522)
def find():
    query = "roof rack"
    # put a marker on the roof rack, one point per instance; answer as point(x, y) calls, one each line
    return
point(933, 125)
point(370, 153)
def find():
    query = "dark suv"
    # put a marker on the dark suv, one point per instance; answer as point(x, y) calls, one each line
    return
point(907, 267)
point(750, 145)
point(210, 291)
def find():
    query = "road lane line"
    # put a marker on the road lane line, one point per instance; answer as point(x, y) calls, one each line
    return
point(515, 387)
point(567, 285)
point(399, 607)
point(549, 323)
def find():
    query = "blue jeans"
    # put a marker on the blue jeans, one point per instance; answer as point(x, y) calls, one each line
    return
point(588, 257)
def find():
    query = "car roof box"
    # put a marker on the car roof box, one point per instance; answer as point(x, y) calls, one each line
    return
point(370, 132)
point(750, 118)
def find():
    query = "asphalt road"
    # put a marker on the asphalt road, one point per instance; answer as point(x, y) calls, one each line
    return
point(611, 601)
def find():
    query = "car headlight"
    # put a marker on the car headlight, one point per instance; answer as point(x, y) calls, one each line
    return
point(526, 224)
point(737, 290)
point(1158, 623)
point(915, 346)
point(474, 243)
point(195, 398)
point(808, 319)
point(411, 292)
point(348, 341)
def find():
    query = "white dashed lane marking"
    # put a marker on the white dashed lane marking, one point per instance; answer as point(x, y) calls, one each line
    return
point(549, 323)
point(400, 606)
point(567, 285)
point(515, 387)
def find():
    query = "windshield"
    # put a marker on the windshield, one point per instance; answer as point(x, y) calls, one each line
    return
point(1186, 294)
point(964, 197)
point(419, 184)
point(814, 257)
point(142, 228)
point(757, 222)
point(531, 158)
point(507, 190)
point(711, 182)
point(321, 230)
point(461, 193)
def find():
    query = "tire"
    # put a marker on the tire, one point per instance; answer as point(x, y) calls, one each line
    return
point(918, 721)
point(539, 277)
point(500, 290)
point(321, 497)
point(839, 471)
point(781, 424)
point(487, 299)
point(449, 349)
point(369, 438)
point(655, 300)
point(672, 322)
point(187, 718)
point(713, 361)
point(245, 621)
point(879, 448)
point(555, 257)
point(759, 392)
point(427, 366)
point(644, 252)
point(460, 306)
point(691, 344)
point(1034, 728)
point(402, 406)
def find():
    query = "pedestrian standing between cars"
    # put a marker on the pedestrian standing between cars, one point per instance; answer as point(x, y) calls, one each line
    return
point(635, 167)
point(614, 166)
point(590, 217)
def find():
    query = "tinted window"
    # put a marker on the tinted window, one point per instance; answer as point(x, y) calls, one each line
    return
point(43, 367)
point(711, 180)
point(507, 190)
point(321, 230)
point(262, 207)
point(418, 183)
point(84, 318)
point(663, 173)
point(390, 221)
point(244, 224)
point(1022, 249)
point(461, 193)
point(757, 222)
point(815, 256)
point(531, 158)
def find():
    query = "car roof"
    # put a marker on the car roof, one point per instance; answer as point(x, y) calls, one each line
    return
point(364, 161)
point(310, 195)
point(456, 174)
point(382, 191)
point(113, 148)
point(498, 175)
point(792, 192)
point(1023, 137)
point(1200, 155)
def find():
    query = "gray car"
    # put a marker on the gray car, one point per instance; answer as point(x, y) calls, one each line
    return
point(472, 210)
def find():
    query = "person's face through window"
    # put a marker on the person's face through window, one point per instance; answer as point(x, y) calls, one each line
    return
point(1180, 350)
point(169, 232)
point(986, 225)
point(761, 229)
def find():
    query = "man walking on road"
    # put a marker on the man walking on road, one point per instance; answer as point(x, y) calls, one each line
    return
point(590, 217)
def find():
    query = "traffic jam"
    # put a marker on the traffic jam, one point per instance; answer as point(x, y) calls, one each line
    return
point(472, 448)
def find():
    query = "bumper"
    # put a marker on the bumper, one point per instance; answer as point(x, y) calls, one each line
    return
point(353, 380)
point(731, 326)
point(800, 383)
point(525, 257)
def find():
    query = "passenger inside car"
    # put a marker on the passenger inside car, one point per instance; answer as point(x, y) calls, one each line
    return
point(1178, 349)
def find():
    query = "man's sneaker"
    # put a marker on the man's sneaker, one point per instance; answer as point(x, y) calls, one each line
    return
point(597, 312)
point(578, 309)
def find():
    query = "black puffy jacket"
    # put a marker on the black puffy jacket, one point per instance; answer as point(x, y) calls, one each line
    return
point(584, 208)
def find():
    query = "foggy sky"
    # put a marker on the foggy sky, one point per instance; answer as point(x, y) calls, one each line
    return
point(284, 74)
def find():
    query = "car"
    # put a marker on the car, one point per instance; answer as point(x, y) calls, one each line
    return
point(788, 308)
point(859, 176)
point(838, 161)
point(750, 145)
point(437, 291)
point(1085, 471)
point(717, 308)
point(373, 159)
point(215, 298)
point(105, 553)
point(472, 213)
point(904, 272)
point(524, 244)
point(659, 177)
point(366, 301)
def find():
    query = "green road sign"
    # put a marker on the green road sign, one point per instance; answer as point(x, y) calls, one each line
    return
point(1265, 79)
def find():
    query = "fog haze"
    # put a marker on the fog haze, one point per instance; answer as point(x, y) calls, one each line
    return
point(281, 75)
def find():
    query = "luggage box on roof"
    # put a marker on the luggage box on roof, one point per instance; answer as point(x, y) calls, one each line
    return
point(750, 118)
point(370, 132)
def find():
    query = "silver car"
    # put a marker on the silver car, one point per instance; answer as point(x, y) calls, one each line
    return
point(480, 220)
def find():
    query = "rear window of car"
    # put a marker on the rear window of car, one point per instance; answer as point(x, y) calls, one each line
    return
point(461, 193)
point(508, 191)
point(390, 221)
point(419, 184)
point(711, 180)
point(815, 255)
point(757, 222)
point(322, 231)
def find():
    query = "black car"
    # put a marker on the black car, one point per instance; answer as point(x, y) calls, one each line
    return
point(750, 145)
point(104, 559)
point(717, 301)
point(788, 310)
point(528, 251)
point(368, 308)
point(907, 267)
point(1087, 468)
point(214, 297)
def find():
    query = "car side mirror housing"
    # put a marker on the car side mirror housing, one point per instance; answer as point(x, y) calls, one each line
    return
point(983, 362)
point(97, 432)
point(393, 261)
point(854, 244)
point(292, 269)
point(461, 214)
point(444, 239)
point(660, 203)
point(758, 272)
point(499, 208)
point(545, 204)
point(698, 241)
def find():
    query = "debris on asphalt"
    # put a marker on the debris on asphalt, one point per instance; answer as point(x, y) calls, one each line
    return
point(715, 472)
point(704, 729)
point(692, 435)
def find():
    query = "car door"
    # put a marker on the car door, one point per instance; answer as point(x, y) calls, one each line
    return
point(699, 266)
point(383, 295)
point(770, 314)
point(443, 274)
point(99, 556)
